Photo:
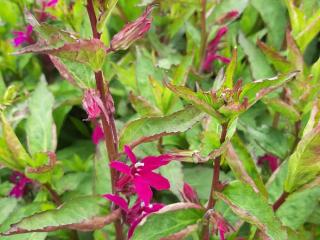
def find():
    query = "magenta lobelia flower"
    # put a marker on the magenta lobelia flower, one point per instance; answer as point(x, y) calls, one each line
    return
point(222, 226)
point(20, 182)
point(139, 176)
point(211, 52)
point(97, 134)
point(189, 194)
point(132, 31)
point(136, 213)
point(90, 103)
point(22, 37)
point(272, 161)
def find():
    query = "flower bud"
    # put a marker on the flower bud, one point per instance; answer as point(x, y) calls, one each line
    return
point(132, 31)
point(190, 194)
point(90, 104)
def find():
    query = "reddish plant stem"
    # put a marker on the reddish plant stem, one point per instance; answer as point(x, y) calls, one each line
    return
point(215, 184)
point(108, 122)
point(54, 195)
point(204, 35)
point(280, 201)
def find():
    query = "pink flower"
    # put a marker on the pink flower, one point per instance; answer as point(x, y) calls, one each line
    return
point(189, 194)
point(132, 31)
point(229, 16)
point(51, 3)
point(90, 104)
point(139, 177)
point(272, 161)
point(20, 182)
point(211, 52)
point(97, 134)
point(135, 214)
point(22, 37)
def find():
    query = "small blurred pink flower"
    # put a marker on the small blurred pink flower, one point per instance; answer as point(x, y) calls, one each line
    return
point(97, 134)
point(270, 160)
point(140, 174)
point(132, 31)
point(90, 104)
point(20, 182)
point(211, 52)
point(136, 213)
point(22, 37)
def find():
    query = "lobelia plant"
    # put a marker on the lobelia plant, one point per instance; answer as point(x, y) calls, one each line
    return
point(181, 120)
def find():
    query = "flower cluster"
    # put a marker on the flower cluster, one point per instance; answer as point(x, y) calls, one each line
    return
point(25, 36)
point(138, 178)
point(20, 183)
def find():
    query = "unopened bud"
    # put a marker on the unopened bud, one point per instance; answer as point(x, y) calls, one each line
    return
point(190, 194)
point(90, 103)
point(132, 31)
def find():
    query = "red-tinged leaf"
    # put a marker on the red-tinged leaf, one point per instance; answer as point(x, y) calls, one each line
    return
point(91, 52)
point(150, 129)
point(229, 77)
point(278, 61)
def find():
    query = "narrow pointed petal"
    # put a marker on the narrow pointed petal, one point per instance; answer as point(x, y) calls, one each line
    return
point(143, 190)
point(154, 162)
point(156, 181)
point(130, 154)
point(119, 201)
point(121, 167)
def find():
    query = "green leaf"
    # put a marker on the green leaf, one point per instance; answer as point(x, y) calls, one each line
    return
point(19, 154)
point(254, 91)
point(169, 220)
point(173, 172)
point(76, 73)
point(275, 17)
point(252, 208)
point(310, 31)
point(149, 129)
point(40, 128)
point(243, 166)
point(201, 100)
point(102, 170)
point(304, 163)
point(143, 107)
point(297, 208)
point(231, 70)
point(82, 213)
point(90, 52)
point(107, 7)
point(277, 105)
point(260, 67)
point(7, 206)
point(280, 63)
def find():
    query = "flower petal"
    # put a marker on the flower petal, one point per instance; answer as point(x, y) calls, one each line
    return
point(154, 162)
point(119, 201)
point(130, 154)
point(121, 167)
point(156, 180)
point(143, 190)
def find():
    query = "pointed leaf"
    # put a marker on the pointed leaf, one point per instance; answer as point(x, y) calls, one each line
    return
point(84, 214)
point(150, 129)
point(169, 220)
point(252, 208)
point(304, 163)
point(40, 129)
